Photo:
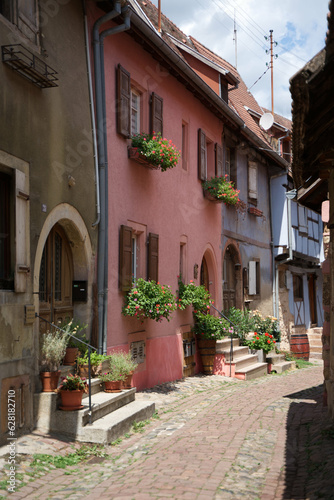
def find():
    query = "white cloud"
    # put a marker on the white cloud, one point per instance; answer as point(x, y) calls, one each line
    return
point(299, 27)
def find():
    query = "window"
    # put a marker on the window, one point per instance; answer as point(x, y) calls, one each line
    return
point(23, 14)
point(185, 146)
point(135, 112)
point(231, 164)
point(14, 223)
point(206, 156)
point(252, 182)
point(223, 88)
point(219, 164)
point(6, 228)
point(298, 293)
point(254, 277)
point(132, 255)
point(183, 259)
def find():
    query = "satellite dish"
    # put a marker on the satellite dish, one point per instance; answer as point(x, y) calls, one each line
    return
point(266, 121)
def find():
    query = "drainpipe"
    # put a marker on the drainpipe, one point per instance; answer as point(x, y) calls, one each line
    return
point(91, 102)
point(102, 273)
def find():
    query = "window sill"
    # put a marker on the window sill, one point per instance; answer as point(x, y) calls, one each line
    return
point(134, 155)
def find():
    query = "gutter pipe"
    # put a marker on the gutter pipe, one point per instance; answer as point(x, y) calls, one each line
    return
point(91, 103)
point(98, 49)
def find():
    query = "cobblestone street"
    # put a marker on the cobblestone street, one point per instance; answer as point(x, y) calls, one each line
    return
point(214, 438)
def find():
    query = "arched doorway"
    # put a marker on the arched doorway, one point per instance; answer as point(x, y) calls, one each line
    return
point(55, 279)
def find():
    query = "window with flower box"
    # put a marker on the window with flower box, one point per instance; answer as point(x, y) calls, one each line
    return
point(207, 157)
point(133, 258)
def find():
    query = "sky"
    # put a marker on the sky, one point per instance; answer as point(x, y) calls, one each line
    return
point(299, 29)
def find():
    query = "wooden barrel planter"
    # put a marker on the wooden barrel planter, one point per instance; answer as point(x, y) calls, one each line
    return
point(207, 350)
point(299, 346)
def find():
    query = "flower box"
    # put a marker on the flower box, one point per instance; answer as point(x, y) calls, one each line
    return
point(210, 197)
point(133, 154)
point(255, 211)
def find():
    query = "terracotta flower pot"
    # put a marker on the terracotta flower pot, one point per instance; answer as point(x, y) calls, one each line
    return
point(49, 381)
point(70, 356)
point(112, 386)
point(71, 400)
point(127, 383)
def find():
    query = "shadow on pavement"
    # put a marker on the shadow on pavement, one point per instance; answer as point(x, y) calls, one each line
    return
point(309, 452)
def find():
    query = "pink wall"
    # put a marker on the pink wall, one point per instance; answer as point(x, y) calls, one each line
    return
point(169, 203)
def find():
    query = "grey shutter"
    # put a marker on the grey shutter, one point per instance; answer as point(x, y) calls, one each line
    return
point(125, 258)
point(153, 256)
point(123, 108)
point(156, 121)
point(201, 155)
point(219, 160)
point(22, 234)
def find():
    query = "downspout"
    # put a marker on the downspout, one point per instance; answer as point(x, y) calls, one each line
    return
point(102, 274)
point(92, 110)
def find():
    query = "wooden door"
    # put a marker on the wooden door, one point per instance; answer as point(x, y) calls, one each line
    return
point(229, 281)
point(312, 299)
point(205, 274)
point(55, 280)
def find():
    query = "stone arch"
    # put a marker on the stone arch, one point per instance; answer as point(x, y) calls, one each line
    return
point(83, 259)
point(232, 254)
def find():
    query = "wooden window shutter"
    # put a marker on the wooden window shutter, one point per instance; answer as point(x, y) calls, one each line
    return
point(123, 109)
point(153, 256)
point(219, 154)
point(22, 231)
point(252, 180)
point(125, 258)
point(201, 155)
point(156, 121)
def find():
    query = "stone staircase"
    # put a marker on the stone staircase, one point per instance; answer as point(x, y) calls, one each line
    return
point(314, 338)
point(244, 365)
point(113, 414)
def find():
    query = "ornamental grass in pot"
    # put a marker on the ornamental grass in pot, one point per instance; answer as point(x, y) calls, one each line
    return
point(51, 352)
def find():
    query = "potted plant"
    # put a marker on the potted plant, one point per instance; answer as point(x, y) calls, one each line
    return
point(96, 361)
point(154, 151)
point(148, 299)
point(71, 391)
point(128, 369)
point(220, 189)
point(263, 342)
point(74, 327)
point(208, 330)
point(52, 351)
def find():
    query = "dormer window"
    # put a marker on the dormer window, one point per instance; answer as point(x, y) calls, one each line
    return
point(223, 88)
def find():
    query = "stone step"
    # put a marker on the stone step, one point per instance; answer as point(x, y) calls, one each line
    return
point(238, 352)
point(254, 371)
point(274, 359)
point(225, 344)
point(317, 330)
point(315, 349)
point(50, 418)
point(244, 361)
point(282, 366)
point(114, 425)
point(315, 355)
